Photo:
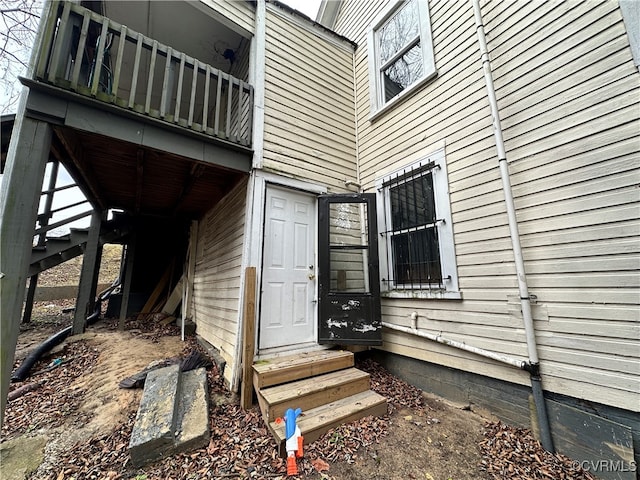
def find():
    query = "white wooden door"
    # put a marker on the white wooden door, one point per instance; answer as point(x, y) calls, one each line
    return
point(288, 273)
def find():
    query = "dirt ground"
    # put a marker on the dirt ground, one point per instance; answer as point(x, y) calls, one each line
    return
point(79, 422)
point(435, 441)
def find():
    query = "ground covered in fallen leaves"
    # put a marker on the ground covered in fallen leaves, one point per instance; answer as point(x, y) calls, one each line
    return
point(88, 422)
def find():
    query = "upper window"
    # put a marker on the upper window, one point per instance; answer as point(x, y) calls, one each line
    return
point(418, 245)
point(400, 52)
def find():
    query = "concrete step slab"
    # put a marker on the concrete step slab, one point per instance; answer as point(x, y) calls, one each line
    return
point(192, 423)
point(155, 425)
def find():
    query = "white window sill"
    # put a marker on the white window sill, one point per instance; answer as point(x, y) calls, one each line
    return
point(375, 114)
point(423, 294)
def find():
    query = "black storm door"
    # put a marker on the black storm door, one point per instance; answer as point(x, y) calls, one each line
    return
point(348, 277)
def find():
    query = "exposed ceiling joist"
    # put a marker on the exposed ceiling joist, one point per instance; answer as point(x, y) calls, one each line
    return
point(140, 158)
point(196, 172)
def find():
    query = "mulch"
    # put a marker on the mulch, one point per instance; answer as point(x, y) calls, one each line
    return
point(51, 400)
point(240, 445)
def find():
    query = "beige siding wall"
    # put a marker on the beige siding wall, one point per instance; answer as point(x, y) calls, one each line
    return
point(239, 12)
point(568, 94)
point(309, 104)
point(216, 296)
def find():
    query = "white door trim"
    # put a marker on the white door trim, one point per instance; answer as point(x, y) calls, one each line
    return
point(261, 181)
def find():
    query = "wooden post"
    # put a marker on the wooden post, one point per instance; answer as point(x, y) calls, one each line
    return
point(154, 298)
point(128, 275)
point(28, 304)
point(90, 262)
point(191, 271)
point(248, 337)
point(19, 198)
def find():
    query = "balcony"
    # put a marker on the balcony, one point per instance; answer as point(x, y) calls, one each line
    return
point(98, 58)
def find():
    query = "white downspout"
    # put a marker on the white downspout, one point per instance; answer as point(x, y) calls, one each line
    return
point(525, 300)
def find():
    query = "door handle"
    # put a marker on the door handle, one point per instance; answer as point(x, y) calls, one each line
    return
point(311, 276)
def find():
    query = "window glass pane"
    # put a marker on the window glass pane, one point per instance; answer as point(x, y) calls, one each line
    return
point(399, 30)
point(412, 203)
point(348, 224)
point(416, 257)
point(403, 72)
point(349, 271)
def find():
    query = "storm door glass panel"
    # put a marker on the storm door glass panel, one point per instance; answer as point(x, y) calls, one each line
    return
point(348, 248)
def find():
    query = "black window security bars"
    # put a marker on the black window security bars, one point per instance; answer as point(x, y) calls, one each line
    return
point(414, 252)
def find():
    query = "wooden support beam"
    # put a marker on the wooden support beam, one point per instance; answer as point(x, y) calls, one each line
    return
point(157, 292)
point(128, 275)
point(28, 304)
point(88, 275)
point(248, 337)
point(174, 299)
point(19, 197)
point(191, 269)
point(73, 148)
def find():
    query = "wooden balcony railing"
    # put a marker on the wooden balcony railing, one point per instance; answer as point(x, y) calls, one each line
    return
point(94, 56)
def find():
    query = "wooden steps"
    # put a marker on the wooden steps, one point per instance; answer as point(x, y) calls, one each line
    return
point(295, 367)
point(320, 420)
point(323, 384)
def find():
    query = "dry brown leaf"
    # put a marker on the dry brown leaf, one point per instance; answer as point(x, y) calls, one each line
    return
point(320, 465)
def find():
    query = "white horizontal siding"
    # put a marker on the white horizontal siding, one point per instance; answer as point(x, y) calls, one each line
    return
point(568, 95)
point(238, 12)
point(216, 294)
point(309, 130)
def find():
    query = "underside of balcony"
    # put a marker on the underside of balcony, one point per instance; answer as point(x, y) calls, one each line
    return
point(139, 179)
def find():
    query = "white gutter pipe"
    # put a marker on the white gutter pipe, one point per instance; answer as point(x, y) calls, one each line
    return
point(514, 362)
point(525, 300)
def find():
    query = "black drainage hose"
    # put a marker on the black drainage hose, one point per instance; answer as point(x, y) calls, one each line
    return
point(22, 372)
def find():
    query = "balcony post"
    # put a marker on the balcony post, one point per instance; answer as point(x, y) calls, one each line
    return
point(19, 198)
point(89, 274)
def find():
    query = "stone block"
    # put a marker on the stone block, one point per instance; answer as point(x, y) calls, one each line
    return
point(154, 429)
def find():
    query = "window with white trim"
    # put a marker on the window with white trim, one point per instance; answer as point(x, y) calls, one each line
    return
point(400, 52)
point(417, 251)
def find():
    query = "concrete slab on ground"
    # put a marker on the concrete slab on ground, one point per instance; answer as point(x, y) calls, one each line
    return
point(21, 456)
point(173, 416)
point(192, 425)
point(154, 428)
